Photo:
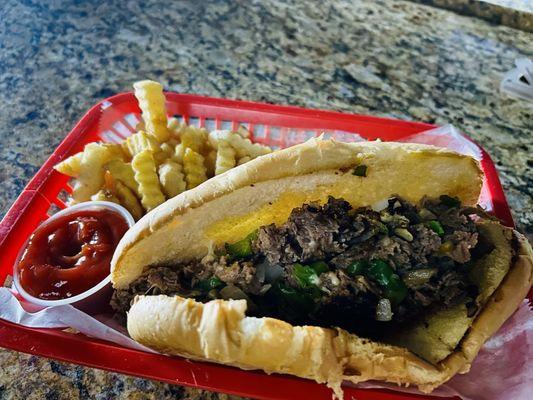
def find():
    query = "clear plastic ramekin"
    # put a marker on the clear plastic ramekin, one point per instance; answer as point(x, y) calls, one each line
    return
point(93, 300)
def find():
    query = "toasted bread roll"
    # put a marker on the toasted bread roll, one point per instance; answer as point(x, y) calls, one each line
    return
point(264, 191)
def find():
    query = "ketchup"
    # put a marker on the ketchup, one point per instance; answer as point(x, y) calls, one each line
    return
point(71, 254)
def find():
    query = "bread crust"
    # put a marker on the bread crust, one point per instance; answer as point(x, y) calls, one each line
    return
point(219, 331)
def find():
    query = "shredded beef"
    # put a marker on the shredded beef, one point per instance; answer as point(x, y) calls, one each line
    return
point(435, 242)
point(154, 281)
point(426, 243)
point(310, 233)
point(240, 274)
point(275, 244)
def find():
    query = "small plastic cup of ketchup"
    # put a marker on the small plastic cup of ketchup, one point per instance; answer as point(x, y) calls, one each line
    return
point(67, 259)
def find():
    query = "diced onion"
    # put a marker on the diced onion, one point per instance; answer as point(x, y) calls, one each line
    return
point(383, 310)
point(404, 234)
point(333, 278)
point(380, 205)
point(418, 277)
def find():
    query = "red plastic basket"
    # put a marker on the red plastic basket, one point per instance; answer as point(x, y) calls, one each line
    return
point(112, 120)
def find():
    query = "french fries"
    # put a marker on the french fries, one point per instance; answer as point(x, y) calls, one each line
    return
point(105, 195)
point(171, 178)
point(243, 160)
point(143, 165)
point(141, 141)
point(123, 172)
point(154, 113)
point(70, 166)
point(243, 131)
point(163, 158)
point(128, 199)
point(195, 171)
point(168, 149)
point(91, 173)
point(225, 157)
point(243, 146)
point(194, 138)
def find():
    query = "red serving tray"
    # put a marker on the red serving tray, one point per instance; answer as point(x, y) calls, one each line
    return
point(112, 120)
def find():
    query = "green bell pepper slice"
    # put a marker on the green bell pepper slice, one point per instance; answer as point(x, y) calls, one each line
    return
point(209, 284)
point(393, 287)
point(242, 248)
point(319, 267)
point(305, 275)
point(436, 227)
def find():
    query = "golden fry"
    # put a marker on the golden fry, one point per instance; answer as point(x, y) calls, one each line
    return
point(171, 178)
point(123, 172)
point(141, 141)
point(154, 113)
point(168, 148)
point(194, 138)
point(115, 150)
point(143, 165)
point(175, 127)
point(243, 131)
point(70, 166)
point(195, 171)
point(109, 181)
point(179, 150)
point(243, 147)
point(128, 199)
point(91, 175)
point(160, 157)
point(225, 157)
point(105, 195)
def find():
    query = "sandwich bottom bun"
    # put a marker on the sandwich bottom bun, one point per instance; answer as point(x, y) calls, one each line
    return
point(220, 331)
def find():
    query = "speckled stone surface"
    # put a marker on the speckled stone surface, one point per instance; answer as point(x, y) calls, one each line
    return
point(387, 58)
point(34, 378)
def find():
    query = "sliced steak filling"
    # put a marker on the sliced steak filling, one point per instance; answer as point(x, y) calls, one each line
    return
point(332, 265)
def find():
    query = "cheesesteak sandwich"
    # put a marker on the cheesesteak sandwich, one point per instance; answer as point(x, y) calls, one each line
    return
point(329, 261)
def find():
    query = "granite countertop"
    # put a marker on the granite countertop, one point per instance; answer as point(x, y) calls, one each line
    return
point(387, 58)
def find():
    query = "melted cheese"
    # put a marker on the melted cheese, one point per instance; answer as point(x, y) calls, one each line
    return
point(232, 229)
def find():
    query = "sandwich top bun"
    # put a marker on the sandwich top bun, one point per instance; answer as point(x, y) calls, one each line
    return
point(265, 190)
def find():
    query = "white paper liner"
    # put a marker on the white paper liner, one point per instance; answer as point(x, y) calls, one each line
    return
point(62, 317)
point(502, 370)
point(512, 83)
